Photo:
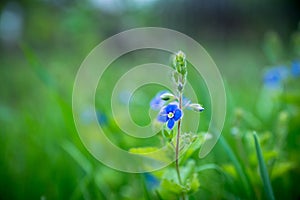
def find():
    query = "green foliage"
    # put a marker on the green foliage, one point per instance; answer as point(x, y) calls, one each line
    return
point(42, 156)
point(170, 188)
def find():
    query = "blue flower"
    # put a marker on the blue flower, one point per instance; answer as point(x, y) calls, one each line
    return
point(274, 77)
point(151, 181)
point(170, 114)
point(102, 119)
point(87, 117)
point(157, 103)
point(295, 70)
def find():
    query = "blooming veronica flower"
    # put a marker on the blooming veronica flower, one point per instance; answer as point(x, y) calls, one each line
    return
point(170, 114)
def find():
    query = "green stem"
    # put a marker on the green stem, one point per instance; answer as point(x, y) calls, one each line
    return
point(177, 147)
point(177, 143)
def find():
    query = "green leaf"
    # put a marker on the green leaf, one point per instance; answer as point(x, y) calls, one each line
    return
point(209, 166)
point(171, 186)
point(167, 134)
point(143, 150)
point(164, 156)
point(188, 170)
point(263, 170)
point(196, 142)
point(193, 183)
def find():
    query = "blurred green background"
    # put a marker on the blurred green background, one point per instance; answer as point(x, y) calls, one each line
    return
point(42, 44)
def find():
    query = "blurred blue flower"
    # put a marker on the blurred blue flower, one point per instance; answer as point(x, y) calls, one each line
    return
point(102, 119)
point(157, 103)
point(295, 69)
point(274, 77)
point(151, 181)
point(170, 114)
point(87, 117)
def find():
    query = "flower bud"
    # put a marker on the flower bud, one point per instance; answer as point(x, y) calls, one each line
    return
point(180, 63)
point(167, 96)
point(180, 87)
point(196, 107)
point(180, 56)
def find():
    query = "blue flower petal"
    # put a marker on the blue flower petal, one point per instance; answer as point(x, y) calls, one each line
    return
point(171, 108)
point(162, 118)
point(171, 123)
point(163, 111)
point(156, 103)
point(177, 114)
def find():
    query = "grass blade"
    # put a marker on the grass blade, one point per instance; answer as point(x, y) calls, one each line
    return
point(243, 176)
point(81, 160)
point(263, 170)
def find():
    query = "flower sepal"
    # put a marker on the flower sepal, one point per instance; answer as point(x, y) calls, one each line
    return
point(167, 134)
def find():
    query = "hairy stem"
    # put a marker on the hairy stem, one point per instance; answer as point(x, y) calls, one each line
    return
point(177, 142)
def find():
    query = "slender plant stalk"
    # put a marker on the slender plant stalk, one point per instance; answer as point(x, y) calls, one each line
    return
point(263, 170)
point(177, 143)
point(181, 72)
point(177, 147)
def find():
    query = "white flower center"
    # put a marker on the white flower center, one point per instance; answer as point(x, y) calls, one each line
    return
point(170, 115)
